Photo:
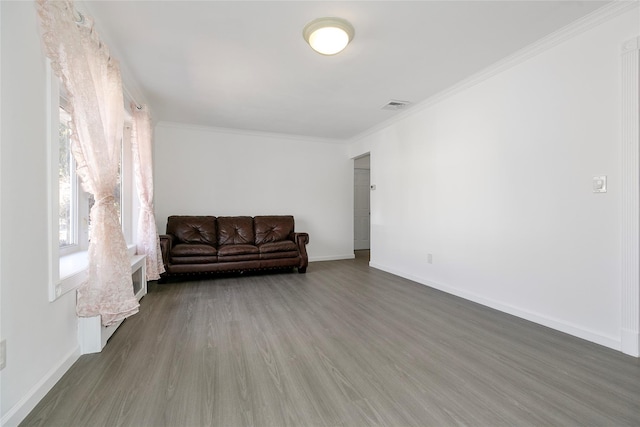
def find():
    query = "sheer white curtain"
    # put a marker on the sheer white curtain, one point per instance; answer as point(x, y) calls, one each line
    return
point(92, 80)
point(148, 241)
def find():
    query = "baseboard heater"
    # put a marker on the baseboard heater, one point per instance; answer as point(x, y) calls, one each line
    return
point(93, 336)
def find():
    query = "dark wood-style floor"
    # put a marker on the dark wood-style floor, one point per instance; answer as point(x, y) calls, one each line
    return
point(343, 345)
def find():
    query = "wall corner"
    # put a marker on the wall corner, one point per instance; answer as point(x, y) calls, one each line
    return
point(630, 295)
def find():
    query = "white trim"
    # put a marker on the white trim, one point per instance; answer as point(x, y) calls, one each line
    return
point(21, 409)
point(53, 238)
point(74, 270)
point(66, 268)
point(1, 337)
point(541, 319)
point(603, 14)
point(630, 342)
point(262, 134)
point(128, 193)
point(630, 194)
point(331, 258)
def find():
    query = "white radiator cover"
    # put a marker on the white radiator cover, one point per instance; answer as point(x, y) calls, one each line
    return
point(92, 335)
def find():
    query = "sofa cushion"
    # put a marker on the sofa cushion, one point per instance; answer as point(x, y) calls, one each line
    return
point(235, 230)
point(194, 260)
point(193, 249)
point(232, 250)
point(274, 228)
point(193, 229)
point(283, 246)
point(236, 258)
point(280, 255)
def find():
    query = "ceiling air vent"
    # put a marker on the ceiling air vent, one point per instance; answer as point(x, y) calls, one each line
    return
point(396, 105)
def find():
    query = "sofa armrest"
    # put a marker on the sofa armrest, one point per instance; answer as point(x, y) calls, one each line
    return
point(301, 240)
point(166, 243)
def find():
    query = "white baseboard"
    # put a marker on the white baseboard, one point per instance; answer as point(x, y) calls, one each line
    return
point(559, 325)
point(630, 342)
point(20, 410)
point(331, 257)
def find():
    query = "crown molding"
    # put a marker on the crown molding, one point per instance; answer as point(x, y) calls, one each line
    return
point(595, 18)
point(261, 134)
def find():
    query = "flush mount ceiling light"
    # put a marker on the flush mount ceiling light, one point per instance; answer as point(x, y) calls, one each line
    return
point(328, 36)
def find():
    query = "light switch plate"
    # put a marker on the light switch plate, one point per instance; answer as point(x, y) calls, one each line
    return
point(600, 184)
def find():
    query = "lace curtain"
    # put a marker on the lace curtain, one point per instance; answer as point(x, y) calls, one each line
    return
point(148, 240)
point(92, 80)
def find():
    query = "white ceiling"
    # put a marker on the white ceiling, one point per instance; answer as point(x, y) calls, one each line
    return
point(244, 64)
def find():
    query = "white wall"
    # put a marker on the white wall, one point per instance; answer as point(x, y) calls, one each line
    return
point(41, 336)
point(495, 182)
point(204, 171)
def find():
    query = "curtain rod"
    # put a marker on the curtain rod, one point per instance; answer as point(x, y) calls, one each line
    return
point(79, 17)
point(131, 98)
point(80, 20)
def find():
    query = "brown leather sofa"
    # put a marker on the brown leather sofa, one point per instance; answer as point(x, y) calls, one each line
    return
point(206, 244)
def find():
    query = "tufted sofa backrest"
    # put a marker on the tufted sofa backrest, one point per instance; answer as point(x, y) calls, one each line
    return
point(193, 229)
point(235, 230)
point(230, 230)
point(273, 228)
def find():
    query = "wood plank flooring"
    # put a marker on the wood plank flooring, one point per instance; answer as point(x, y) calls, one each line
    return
point(343, 345)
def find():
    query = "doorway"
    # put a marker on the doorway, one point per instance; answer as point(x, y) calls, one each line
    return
point(362, 203)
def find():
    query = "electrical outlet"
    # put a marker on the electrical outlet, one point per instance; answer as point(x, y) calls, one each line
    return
point(3, 354)
point(430, 258)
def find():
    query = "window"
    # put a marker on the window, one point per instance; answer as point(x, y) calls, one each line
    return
point(74, 203)
point(117, 195)
point(67, 185)
point(73, 207)
point(70, 204)
point(66, 178)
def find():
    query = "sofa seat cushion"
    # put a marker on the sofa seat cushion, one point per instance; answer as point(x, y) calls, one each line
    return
point(193, 249)
point(233, 250)
point(204, 260)
point(236, 253)
point(281, 246)
point(280, 255)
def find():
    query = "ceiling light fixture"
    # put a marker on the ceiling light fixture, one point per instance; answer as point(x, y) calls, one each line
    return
point(328, 36)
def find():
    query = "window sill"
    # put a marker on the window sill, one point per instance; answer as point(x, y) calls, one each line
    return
point(73, 263)
point(74, 269)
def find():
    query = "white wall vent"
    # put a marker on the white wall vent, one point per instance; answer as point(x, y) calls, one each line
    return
point(395, 105)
